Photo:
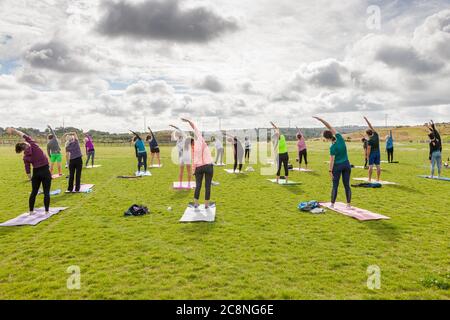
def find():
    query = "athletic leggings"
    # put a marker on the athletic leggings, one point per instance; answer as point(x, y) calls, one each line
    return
point(40, 175)
point(247, 154)
point(219, 155)
point(142, 161)
point(75, 168)
point(237, 161)
point(436, 160)
point(283, 159)
point(90, 155)
point(390, 154)
point(345, 170)
point(207, 171)
point(303, 154)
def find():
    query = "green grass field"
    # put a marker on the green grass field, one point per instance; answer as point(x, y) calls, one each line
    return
point(260, 247)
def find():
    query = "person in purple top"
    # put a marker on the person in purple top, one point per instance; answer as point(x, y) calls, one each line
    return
point(33, 156)
point(90, 150)
point(73, 153)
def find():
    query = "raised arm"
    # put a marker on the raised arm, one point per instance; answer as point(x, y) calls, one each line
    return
point(277, 130)
point(12, 131)
point(135, 134)
point(369, 124)
point(327, 125)
point(51, 131)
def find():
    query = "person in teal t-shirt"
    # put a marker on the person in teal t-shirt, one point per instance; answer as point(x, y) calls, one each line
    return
point(283, 155)
point(339, 163)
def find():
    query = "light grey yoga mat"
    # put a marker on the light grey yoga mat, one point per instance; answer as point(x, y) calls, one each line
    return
point(199, 215)
point(32, 220)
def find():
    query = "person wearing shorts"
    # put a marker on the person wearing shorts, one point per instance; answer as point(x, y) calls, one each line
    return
point(184, 154)
point(373, 149)
point(154, 148)
point(54, 151)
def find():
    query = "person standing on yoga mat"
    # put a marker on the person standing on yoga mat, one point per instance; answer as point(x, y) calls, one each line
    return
point(154, 148)
point(203, 167)
point(35, 157)
point(301, 148)
point(390, 147)
point(339, 163)
point(54, 151)
point(141, 152)
point(218, 145)
point(238, 152)
point(248, 147)
point(373, 150)
point(435, 149)
point(90, 150)
point(73, 153)
point(184, 154)
point(366, 155)
point(283, 155)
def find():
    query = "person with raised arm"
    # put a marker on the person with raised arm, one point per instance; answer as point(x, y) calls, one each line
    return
point(339, 162)
point(301, 148)
point(202, 165)
point(54, 151)
point(390, 147)
point(435, 143)
point(184, 154)
point(90, 150)
point(373, 150)
point(248, 148)
point(238, 151)
point(73, 153)
point(33, 156)
point(283, 155)
point(154, 147)
point(141, 152)
point(218, 145)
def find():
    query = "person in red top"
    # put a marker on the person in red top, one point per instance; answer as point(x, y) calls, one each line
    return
point(35, 157)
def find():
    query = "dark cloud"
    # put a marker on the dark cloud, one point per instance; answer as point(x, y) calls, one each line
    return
point(163, 20)
point(56, 56)
point(407, 59)
point(211, 83)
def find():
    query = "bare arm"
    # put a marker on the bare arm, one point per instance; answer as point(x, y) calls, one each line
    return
point(327, 125)
point(277, 130)
point(11, 131)
point(369, 124)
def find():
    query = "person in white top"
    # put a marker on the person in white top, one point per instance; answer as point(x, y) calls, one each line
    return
point(248, 147)
point(218, 144)
point(184, 153)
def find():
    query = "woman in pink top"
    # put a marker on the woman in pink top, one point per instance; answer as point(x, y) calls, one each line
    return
point(301, 147)
point(202, 165)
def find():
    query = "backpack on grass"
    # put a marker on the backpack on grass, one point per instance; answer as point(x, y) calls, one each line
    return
point(308, 205)
point(136, 210)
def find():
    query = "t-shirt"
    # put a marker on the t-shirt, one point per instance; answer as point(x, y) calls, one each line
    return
point(33, 155)
point(389, 143)
point(139, 146)
point(374, 143)
point(218, 143)
point(89, 144)
point(339, 150)
point(74, 149)
point(282, 147)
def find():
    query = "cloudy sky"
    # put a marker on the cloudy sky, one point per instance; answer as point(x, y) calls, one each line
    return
point(106, 64)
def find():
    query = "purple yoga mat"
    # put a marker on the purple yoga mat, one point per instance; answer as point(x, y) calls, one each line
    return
point(26, 219)
point(354, 212)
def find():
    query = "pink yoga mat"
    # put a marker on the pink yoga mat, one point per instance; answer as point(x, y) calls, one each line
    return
point(184, 185)
point(84, 188)
point(56, 176)
point(26, 219)
point(354, 212)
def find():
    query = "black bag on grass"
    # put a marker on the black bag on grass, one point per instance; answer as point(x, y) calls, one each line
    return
point(136, 210)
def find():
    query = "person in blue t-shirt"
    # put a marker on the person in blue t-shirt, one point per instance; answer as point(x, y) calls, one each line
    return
point(373, 150)
point(141, 152)
point(390, 147)
point(339, 163)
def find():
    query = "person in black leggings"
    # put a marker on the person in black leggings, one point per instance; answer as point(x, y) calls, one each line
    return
point(73, 152)
point(238, 152)
point(283, 155)
point(339, 163)
point(35, 157)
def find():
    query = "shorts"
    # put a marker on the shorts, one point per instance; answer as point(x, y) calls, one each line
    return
point(374, 158)
point(154, 150)
point(56, 157)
